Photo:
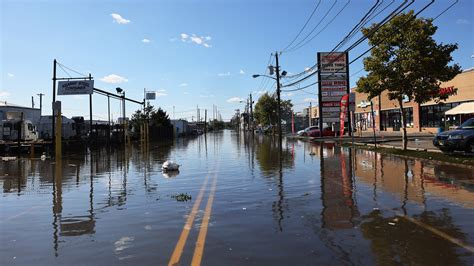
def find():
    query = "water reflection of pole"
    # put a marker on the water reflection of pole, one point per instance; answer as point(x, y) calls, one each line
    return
point(405, 191)
point(281, 196)
point(321, 173)
point(57, 202)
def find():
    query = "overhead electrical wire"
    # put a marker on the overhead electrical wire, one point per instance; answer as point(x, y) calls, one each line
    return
point(315, 27)
point(304, 26)
point(324, 27)
point(354, 30)
point(388, 18)
point(368, 50)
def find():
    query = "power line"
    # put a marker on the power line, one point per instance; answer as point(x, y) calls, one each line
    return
point(70, 69)
point(304, 26)
point(383, 22)
point(317, 25)
point(324, 27)
point(358, 57)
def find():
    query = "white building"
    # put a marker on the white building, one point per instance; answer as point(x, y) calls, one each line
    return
point(13, 111)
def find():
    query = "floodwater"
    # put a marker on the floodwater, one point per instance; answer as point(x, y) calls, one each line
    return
point(313, 205)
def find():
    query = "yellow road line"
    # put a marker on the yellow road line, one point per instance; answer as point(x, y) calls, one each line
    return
point(198, 251)
point(421, 224)
point(178, 250)
point(440, 233)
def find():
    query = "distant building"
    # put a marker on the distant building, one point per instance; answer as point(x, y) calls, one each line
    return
point(181, 127)
point(13, 111)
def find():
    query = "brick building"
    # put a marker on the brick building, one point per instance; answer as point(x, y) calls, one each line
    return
point(426, 117)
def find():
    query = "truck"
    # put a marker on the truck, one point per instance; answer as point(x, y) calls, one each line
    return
point(14, 130)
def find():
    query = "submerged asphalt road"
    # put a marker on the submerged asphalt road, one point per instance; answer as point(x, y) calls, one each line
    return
point(235, 201)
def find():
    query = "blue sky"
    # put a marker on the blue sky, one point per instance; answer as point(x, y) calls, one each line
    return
point(190, 52)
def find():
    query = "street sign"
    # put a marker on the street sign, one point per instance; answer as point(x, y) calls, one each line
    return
point(150, 96)
point(75, 87)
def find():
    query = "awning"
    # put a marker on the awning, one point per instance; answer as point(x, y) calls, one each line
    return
point(463, 108)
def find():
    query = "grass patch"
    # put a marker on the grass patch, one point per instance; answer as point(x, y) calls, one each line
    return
point(444, 157)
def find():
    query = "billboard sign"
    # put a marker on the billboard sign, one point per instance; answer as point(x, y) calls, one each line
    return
point(333, 84)
point(75, 87)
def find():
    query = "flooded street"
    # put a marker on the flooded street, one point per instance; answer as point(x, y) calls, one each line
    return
point(244, 205)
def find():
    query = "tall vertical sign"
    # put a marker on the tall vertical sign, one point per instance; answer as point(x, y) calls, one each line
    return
point(333, 84)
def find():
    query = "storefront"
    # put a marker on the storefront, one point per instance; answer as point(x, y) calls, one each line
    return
point(427, 117)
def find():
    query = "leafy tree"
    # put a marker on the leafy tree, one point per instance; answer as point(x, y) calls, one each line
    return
point(407, 62)
point(156, 118)
point(266, 110)
point(159, 118)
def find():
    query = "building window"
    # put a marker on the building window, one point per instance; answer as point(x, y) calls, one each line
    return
point(433, 115)
point(392, 118)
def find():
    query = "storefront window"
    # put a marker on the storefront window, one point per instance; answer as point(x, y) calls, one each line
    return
point(433, 115)
point(392, 119)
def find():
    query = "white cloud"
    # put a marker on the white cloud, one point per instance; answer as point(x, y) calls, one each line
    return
point(146, 40)
point(462, 21)
point(199, 40)
point(114, 79)
point(224, 74)
point(234, 100)
point(185, 93)
point(160, 94)
point(4, 94)
point(119, 19)
point(308, 70)
point(161, 90)
point(10, 75)
point(307, 100)
point(288, 94)
point(184, 37)
point(184, 84)
point(242, 72)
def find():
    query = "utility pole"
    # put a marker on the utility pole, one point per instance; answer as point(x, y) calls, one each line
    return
point(41, 102)
point(32, 102)
point(205, 120)
point(53, 130)
point(278, 98)
point(251, 113)
point(310, 113)
point(90, 108)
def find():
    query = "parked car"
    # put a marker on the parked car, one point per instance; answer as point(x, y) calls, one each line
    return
point(327, 132)
point(460, 139)
point(305, 131)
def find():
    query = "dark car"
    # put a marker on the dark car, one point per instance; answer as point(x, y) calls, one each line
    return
point(460, 139)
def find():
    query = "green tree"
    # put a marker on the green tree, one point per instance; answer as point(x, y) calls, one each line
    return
point(156, 118)
point(407, 62)
point(159, 118)
point(266, 110)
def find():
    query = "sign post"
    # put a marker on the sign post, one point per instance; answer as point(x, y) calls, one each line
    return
point(333, 85)
point(58, 136)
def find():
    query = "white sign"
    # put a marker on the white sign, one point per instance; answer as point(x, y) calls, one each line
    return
point(150, 96)
point(75, 87)
point(333, 62)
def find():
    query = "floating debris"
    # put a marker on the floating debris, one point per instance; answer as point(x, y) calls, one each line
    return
point(182, 197)
point(391, 223)
point(170, 166)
